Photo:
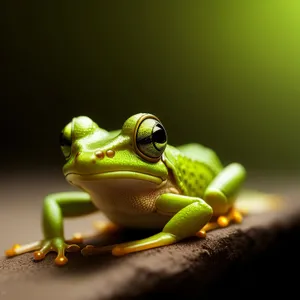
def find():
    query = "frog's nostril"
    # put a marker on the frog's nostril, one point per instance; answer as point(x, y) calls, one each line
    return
point(110, 153)
point(99, 154)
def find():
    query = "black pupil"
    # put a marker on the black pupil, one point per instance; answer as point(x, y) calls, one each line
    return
point(159, 134)
point(63, 140)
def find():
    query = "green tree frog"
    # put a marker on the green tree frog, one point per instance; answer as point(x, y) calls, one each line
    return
point(137, 180)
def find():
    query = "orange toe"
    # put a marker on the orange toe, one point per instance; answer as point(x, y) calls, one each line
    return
point(61, 260)
point(223, 221)
point(10, 252)
point(38, 255)
point(201, 234)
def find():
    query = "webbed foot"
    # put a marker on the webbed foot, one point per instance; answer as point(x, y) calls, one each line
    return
point(233, 216)
point(42, 248)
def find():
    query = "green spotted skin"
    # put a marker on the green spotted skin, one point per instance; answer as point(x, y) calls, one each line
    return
point(194, 167)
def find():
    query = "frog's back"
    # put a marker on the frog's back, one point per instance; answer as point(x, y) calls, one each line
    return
point(194, 166)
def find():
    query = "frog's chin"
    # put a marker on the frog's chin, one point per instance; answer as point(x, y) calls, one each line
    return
point(77, 177)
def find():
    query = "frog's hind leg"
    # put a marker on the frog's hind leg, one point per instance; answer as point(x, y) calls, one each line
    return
point(221, 194)
point(21, 249)
point(102, 228)
point(189, 214)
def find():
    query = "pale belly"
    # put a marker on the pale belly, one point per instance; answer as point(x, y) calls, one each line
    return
point(129, 202)
point(146, 221)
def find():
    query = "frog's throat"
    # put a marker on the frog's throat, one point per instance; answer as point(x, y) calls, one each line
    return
point(73, 177)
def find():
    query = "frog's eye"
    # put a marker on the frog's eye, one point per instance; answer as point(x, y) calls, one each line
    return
point(65, 140)
point(150, 138)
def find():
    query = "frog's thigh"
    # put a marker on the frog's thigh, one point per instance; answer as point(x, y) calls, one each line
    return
point(221, 192)
point(190, 215)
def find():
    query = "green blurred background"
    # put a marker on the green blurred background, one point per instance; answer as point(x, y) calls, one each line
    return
point(222, 73)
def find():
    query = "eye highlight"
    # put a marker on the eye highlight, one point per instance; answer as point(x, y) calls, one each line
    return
point(150, 138)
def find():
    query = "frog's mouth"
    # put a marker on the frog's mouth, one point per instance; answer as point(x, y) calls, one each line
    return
point(75, 177)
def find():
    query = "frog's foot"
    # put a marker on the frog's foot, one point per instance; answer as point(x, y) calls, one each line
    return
point(43, 248)
point(57, 245)
point(233, 216)
point(157, 240)
point(102, 227)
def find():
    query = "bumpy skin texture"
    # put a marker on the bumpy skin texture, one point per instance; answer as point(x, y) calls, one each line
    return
point(138, 181)
point(194, 167)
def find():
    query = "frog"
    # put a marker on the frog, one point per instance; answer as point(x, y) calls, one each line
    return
point(138, 181)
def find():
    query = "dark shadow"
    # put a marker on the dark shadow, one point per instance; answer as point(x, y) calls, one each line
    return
point(78, 263)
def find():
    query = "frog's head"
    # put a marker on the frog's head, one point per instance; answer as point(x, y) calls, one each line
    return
point(134, 152)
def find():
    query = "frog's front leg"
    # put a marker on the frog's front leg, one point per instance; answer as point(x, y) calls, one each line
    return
point(221, 195)
point(55, 208)
point(189, 215)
